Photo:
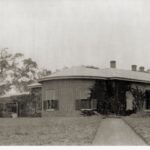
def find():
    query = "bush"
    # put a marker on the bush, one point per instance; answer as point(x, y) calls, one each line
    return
point(141, 114)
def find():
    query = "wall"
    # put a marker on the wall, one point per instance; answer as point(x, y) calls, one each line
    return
point(129, 97)
point(67, 91)
point(36, 98)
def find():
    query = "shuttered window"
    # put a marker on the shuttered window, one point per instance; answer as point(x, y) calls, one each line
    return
point(82, 104)
point(85, 104)
point(51, 104)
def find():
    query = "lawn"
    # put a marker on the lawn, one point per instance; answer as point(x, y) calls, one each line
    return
point(48, 131)
point(141, 125)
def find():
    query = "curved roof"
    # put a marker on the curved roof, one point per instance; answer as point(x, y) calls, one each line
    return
point(35, 85)
point(92, 73)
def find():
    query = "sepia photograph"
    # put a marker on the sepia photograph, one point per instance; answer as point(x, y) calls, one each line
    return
point(75, 73)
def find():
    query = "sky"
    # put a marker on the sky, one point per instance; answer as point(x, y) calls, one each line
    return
point(58, 33)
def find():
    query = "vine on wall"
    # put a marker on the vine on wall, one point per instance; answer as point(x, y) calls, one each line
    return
point(111, 96)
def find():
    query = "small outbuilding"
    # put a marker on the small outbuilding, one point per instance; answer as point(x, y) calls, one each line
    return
point(15, 105)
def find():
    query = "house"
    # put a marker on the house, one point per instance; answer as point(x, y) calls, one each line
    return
point(66, 92)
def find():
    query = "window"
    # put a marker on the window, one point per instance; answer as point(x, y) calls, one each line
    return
point(50, 102)
point(1, 106)
point(11, 107)
point(83, 104)
point(51, 105)
point(147, 104)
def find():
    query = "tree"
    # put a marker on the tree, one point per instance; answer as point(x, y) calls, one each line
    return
point(98, 92)
point(16, 72)
point(43, 73)
point(5, 57)
point(25, 74)
point(4, 87)
point(139, 97)
point(110, 96)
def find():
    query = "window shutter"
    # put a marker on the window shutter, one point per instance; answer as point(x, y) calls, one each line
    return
point(85, 104)
point(52, 104)
point(57, 105)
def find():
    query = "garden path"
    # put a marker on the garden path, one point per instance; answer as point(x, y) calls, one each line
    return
point(114, 131)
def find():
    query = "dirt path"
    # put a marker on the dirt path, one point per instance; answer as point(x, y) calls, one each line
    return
point(113, 131)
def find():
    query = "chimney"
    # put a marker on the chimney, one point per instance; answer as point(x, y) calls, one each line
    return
point(134, 67)
point(112, 64)
point(141, 69)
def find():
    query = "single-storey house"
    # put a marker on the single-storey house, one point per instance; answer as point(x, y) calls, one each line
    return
point(68, 91)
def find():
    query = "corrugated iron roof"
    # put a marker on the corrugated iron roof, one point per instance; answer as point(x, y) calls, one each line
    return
point(18, 94)
point(8, 98)
point(91, 73)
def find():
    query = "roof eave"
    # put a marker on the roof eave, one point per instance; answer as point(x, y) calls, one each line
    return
point(71, 77)
point(130, 80)
point(34, 86)
point(92, 77)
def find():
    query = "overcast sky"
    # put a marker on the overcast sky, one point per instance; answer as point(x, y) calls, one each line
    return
point(58, 33)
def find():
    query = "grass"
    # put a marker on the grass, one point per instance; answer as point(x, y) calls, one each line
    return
point(141, 125)
point(48, 131)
